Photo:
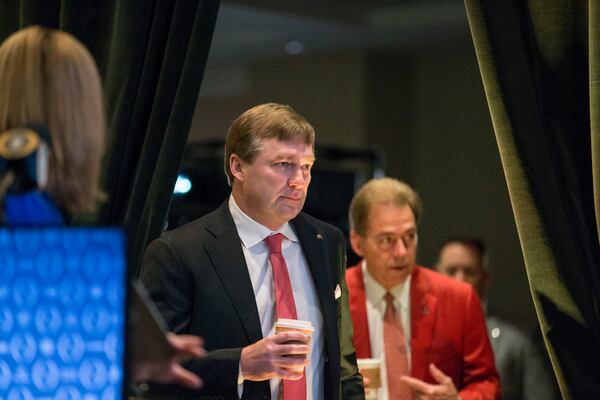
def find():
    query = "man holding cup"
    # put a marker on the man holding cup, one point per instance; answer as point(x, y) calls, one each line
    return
point(427, 330)
point(230, 275)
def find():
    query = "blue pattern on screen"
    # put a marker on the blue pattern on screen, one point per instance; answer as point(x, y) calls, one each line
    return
point(62, 313)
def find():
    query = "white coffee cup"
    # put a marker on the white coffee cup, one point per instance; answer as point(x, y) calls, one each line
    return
point(286, 325)
point(371, 368)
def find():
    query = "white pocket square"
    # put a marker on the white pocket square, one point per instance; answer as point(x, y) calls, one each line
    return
point(337, 293)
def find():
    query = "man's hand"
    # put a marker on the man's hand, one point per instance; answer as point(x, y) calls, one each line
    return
point(278, 356)
point(169, 371)
point(445, 390)
point(367, 384)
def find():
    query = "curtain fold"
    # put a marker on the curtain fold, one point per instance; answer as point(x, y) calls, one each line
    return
point(88, 20)
point(153, 105)
point(538, 71)
point(151, 55)
point(594, 49)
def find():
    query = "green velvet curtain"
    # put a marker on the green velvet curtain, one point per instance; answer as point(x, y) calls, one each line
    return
point(151, 54)
point(539, 61)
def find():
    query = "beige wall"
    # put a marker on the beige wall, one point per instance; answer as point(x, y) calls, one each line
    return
point(327, 90)
point(459, 174)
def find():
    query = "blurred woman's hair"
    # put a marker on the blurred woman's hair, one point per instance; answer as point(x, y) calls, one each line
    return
point(47, 77)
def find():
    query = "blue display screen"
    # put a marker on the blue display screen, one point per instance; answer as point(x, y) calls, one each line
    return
point(62, 313)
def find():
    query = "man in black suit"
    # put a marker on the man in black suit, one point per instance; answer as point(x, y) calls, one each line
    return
point(214, 276)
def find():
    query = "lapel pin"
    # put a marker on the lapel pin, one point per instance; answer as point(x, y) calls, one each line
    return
point(319, 236)
point(424, 310)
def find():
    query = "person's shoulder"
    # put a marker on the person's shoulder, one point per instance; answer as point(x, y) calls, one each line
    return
point(440, 283)
point(354, 274)
point(201, 228)
point(437, 279)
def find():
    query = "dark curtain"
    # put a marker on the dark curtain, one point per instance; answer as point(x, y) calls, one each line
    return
point(539, 64)
point(151, 55)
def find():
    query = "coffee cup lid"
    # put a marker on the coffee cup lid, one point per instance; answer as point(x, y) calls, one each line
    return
point(366, 362)
point(295, 323)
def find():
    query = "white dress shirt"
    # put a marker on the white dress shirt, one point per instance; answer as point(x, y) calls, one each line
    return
point(376, 306)
point(256, 253)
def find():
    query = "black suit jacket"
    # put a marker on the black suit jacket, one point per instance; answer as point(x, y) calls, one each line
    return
point(198, 277)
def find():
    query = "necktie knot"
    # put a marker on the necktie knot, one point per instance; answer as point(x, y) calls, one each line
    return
point(274, 243)
point(389, 301)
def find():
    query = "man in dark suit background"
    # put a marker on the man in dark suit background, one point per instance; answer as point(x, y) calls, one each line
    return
point(213, 277)
point(520, 362)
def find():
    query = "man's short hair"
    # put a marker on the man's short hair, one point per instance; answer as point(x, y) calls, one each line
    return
point(473, 242)
point(265, 121)
point(387, 191)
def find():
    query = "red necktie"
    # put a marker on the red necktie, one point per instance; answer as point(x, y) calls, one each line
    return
point(286, 308)
point(396, 357)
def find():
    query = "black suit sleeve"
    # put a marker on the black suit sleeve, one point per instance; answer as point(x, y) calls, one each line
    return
point(169, 283)
point(171, 286)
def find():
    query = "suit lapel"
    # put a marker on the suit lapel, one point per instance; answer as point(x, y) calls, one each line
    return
point(423, 311)
point(320, 264)
point(313, 247)
point(226, 254)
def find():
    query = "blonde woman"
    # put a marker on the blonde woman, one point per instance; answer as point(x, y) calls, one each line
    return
point(52, 139)
point(49, 80)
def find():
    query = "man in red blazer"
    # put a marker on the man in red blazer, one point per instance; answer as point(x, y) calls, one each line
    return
point(444, 345)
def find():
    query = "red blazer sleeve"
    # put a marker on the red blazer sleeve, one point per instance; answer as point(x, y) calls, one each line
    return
point(480, 380)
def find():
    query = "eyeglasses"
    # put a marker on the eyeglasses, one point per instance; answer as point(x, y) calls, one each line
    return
point(388, 241)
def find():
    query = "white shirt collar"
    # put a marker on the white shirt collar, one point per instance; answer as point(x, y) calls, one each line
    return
point(252, 232)
point(375, 292)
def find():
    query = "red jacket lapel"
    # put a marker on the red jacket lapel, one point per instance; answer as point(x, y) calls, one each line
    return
point(358, 311)
point(422, 318)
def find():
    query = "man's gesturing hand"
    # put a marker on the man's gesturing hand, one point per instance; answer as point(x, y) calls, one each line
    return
point(444, 390)
point(278, 356)
point(169, 371)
